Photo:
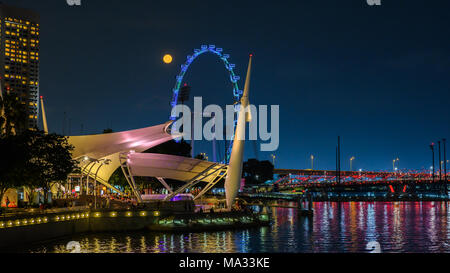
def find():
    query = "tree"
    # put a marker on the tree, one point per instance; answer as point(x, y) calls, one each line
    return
point(108, 131)
point(118, 179)
point(200, 156)
point(257, 172)
point(2, 115)
point(14, 115)
point(172, 147)
point(35, 160)
point(51, 159)
point(15, 163)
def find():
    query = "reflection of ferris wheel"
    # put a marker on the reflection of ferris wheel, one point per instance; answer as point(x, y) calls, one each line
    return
point(237, 93)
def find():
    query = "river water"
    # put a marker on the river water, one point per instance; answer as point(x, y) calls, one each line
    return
point(336, 227)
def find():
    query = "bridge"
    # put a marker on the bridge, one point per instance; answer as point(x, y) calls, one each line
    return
point(360, 181)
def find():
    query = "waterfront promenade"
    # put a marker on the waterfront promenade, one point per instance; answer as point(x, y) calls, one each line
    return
point(24, 226)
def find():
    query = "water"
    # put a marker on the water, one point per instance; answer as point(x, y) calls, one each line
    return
point(336, 227)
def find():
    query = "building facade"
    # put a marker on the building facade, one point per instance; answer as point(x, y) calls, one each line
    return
point(19, 58)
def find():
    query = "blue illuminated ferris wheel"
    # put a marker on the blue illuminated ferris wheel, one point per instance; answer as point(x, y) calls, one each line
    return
point(237, 93)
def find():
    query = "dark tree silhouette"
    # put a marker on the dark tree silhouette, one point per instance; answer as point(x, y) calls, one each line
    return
point(34, 159)
point(172, 148)
point(14, 115)
point(257, 172)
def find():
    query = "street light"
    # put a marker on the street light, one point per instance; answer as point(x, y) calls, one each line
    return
point(432, 154)
point(445, 166)
point(393, 163)
point(273, 159)
point(312, 162)
point(351, 163)
point(439, 162)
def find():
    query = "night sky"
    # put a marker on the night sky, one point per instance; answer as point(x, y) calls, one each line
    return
point(377, 76)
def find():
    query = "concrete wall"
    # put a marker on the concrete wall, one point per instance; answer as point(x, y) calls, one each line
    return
point(11, 236)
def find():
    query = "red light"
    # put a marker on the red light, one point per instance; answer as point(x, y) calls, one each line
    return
point(392, 189)
point(42, 97)
point(251, 55)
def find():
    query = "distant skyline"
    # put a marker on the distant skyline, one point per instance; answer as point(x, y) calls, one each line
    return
point(375, 75)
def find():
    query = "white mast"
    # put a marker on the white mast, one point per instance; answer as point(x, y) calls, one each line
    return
point(44, 117)
point(233, 180)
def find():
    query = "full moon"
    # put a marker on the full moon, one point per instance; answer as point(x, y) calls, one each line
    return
point(167, 58)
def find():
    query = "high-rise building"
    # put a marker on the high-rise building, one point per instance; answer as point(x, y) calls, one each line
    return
point(19, 57)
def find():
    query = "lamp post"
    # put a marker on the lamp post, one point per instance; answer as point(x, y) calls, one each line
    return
point(445, 166)
point(393, 163)
point(432, 160)
point(338, 160)
point(92, 161)
point(440, 165)
point(351, 163)
point(312, 162)
point(273, 159)
point(102, 162)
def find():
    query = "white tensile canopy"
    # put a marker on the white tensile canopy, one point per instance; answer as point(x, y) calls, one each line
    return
point(99, 154)
point(172, 167)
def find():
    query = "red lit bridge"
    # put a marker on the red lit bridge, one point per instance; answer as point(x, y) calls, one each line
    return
point(410, 182)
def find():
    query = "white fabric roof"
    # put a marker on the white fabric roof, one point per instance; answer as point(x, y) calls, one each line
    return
point(109, 146)
point(172, 167)
point(102, 145)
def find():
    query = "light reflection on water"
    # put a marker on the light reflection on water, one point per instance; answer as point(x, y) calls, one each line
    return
point(336, 227)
